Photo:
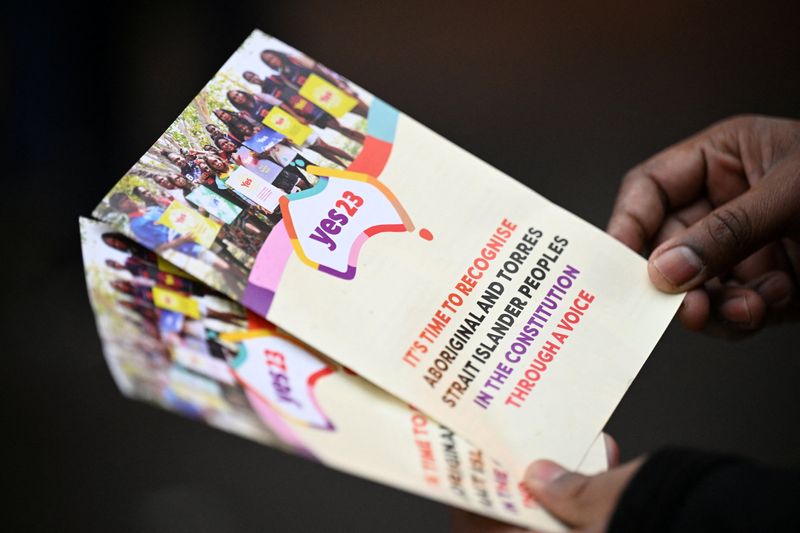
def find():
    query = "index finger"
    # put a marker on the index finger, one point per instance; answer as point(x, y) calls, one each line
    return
point(668, 180)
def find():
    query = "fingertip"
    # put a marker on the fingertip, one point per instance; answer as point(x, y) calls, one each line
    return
point(775, 289)
point(695, 310)
point(674, 268)
point(658, 280)
point(541, 473)
point(625, 235)
point(612, 450)
point(745, 310)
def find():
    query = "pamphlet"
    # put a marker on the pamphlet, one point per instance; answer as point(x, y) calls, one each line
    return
point(171, 341)
point(385, 249)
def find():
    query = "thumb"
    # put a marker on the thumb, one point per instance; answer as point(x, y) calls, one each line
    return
point(566, 495)
point(578, 500)
point(730, 233)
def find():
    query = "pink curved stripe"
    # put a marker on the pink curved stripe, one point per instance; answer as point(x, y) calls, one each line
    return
point(275, 422)
point(271, 259)
point(352, 259)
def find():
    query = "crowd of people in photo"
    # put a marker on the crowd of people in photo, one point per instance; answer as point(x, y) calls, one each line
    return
point(235, 136)
point(161, 332)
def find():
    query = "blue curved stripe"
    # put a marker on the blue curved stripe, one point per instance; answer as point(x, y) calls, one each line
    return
point(382, 121)
point(316, 189)
point(240, 357)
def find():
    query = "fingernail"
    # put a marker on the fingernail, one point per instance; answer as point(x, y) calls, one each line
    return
point(678, 265)
point(542, 473)
point(775, 289)
point(736, 310)
point(612, 449)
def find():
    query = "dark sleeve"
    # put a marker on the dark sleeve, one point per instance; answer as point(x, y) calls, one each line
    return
point(686, 491)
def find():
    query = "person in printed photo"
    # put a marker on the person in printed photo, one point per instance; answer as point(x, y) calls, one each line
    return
point(135, 266)
point(158, 237)
point(142, 263)
point(146, 328)
point(255, 107)
point(163, 182)
point(146, 272)
point(291, 180)
point(259, 163)
point(293, 177)
point(264, 164)
point(140, 292)
point(242, 126)
point(219, 348)
point(185, 167)
point(253, 218)
point(226, 148)
point(215, 133)
point(217, 164)
point(246, 232)
point(277, 165)
point(150, 347)
point(304, 110)
point(239, 127)
point(151, 199)
point(145, 311)
point(146, 229)
point(211, 169)
point(207, 176)
point(123, 244)
point(205, 173)
point(284, 154)
point(295, 70)
point(229, 317)
point(246, 220)
point(210, 149)
point(173, 186)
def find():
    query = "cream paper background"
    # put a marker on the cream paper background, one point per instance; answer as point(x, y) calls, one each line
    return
point(373, 438)
point(373, 432)
point(368, 323)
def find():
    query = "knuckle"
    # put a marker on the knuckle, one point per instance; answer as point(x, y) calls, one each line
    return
point(730, 227)
point(633, 223)
point(743, 120)
point(635, 174)
point(630, 176)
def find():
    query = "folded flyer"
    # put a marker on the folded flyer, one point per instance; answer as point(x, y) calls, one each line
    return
point(170, 340)
point(381, 266)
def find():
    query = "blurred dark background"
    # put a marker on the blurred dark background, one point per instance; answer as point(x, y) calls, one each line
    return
point(565, 96)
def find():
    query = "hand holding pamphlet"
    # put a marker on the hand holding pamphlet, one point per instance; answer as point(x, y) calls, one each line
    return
point(298, 262)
